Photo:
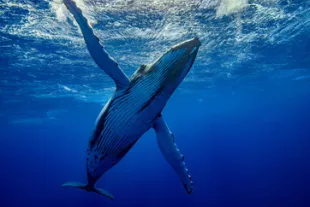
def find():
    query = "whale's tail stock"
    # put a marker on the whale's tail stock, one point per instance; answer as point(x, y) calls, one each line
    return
point(88, 188)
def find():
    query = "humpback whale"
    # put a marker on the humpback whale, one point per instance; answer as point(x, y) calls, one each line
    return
point(135, 107)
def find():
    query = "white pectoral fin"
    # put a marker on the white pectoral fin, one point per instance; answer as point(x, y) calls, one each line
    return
point(172, 154)
point(100, 56)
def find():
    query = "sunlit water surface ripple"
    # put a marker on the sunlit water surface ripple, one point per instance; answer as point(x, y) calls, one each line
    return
point(44, 58)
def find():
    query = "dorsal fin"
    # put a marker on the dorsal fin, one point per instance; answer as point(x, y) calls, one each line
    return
point(139, 73)
point(141, 69)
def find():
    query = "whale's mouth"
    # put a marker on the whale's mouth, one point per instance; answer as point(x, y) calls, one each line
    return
point(189, 62)
point(182, 66)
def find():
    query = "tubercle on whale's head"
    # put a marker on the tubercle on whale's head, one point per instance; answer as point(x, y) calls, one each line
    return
point(172, 67)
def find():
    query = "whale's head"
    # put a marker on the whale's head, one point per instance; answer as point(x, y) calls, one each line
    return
point(157, 81)
point(177, 62)
point(168, 71)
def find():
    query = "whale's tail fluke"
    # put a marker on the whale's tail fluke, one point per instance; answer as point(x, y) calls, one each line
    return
point(88, 189)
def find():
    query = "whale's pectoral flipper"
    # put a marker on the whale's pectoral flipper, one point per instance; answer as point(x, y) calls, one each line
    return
point(100, 56)
point(170, 151)
point(88, 188)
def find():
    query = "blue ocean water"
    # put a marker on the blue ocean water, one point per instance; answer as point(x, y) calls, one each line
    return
point(241, 117)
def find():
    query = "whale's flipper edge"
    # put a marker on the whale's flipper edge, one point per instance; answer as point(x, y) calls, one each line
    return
point(89, 189)
point(165, 140)
point(100, 56)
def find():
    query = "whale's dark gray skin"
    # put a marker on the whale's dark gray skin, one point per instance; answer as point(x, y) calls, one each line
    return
point(134, 108)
